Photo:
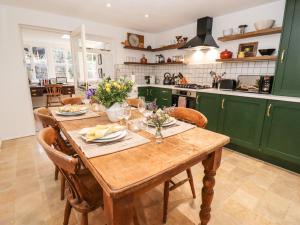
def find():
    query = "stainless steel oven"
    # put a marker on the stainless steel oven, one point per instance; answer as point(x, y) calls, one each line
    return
point(189, 95)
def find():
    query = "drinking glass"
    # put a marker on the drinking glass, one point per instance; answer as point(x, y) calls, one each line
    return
point(142, 104)
point(127, 113)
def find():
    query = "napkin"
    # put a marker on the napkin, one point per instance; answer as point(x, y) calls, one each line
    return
point(100, 131)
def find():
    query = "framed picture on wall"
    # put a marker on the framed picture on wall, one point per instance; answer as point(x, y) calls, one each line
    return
point(61, 80)
point(248, 49)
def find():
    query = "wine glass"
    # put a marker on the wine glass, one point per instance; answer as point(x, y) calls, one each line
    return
point(142, 104)
point(127, 113)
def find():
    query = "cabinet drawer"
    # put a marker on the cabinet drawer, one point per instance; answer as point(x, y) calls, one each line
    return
point(68, 90)
point(35, 92)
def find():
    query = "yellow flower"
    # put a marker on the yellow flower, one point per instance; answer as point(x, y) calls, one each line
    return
point(107, 89)
point(108, 85)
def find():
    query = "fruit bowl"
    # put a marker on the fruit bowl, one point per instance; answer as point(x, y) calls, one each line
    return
point(264, 24)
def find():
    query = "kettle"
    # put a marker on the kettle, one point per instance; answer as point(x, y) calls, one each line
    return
point(167, 79)
point(173, 79)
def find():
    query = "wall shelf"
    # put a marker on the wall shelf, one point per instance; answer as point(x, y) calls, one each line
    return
point(275, 30)
point(249, 59)
point(153, 64)
point(164, 48)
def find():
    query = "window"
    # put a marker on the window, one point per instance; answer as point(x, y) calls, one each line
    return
point(62, 59)
point(48, 62)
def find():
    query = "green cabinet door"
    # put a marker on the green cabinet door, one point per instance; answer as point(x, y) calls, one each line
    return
point(242, 120)
point(209, 105)
point(146, 92)
point(281, 132)
point(287, 79)
point(163, 97)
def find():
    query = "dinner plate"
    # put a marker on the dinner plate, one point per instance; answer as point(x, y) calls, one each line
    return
point(172, 121)
point(72, 113)
point(113, 137)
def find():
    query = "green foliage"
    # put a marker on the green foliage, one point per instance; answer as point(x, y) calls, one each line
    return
point(110, 92)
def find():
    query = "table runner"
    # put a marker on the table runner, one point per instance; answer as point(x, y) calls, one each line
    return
point(89, 114)
point(97, 149)
point(177, 128)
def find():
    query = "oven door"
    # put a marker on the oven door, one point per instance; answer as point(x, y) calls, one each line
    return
point(190, 101)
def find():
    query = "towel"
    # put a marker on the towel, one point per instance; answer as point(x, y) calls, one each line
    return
point(182, 101)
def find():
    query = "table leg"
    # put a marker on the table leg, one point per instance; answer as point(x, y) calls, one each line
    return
point(211, 164)
point(118, 211)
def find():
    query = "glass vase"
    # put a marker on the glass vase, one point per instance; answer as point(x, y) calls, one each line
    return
point(158, 135)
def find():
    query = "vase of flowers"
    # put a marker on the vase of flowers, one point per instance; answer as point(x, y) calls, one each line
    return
point(111, 94)
point(158, 119)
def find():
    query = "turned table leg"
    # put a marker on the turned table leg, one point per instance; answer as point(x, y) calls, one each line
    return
point(211, 164)
point(119, 211)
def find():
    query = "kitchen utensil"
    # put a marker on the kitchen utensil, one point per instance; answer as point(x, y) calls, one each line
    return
point(152, 79)
point(226, 54)
point(264, 24)
point(81, 112)
point(268, 51)
point(167, 79)
point(173, 79)
point(227, 84)
point(160, 58)
point(144, 59)
point(243, 28)
point(228, 32)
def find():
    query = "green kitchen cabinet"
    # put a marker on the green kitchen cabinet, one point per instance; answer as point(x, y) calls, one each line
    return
point(242, 118)
point(163, 97)
point(209, 105)
point(281, 132)
point(146, 92)
point(287, 78)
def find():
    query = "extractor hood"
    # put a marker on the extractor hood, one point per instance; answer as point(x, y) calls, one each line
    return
point(204, 39)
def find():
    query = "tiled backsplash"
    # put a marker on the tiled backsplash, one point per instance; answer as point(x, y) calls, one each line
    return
point(197, 73)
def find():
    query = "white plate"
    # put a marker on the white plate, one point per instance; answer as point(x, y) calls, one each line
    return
point(72, 113)
point(166, 124)
point(121, 134)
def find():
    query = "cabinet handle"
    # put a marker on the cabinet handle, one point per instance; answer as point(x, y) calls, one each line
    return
point(269, 110)
point(165, 99)
point(150, 91)
point(223, 101)
point(282, 56)
point(197, 99)
point(164, 91)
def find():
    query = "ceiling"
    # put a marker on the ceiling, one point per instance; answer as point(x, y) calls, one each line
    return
point(163, 14)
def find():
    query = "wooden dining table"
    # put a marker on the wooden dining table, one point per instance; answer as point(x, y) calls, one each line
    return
point(124, 175)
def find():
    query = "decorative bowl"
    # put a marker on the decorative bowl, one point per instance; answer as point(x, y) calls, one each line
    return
point(268, 51)
point(264, 24)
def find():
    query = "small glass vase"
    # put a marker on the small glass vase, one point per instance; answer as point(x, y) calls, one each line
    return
point(158, 135)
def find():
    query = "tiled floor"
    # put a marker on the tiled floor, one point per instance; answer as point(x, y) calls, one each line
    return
point(248, 192)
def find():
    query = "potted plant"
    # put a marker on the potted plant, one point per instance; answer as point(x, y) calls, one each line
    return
point(111, 94)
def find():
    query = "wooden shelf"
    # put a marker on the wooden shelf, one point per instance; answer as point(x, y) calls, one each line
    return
point(153, 64)
point(164, 48)
point(249, 59)
point(274, 30)
point(138, 48)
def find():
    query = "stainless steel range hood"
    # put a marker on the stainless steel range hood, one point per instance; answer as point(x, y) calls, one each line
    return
point(204, 39)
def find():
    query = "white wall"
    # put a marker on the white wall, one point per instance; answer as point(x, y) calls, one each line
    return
point(273, 10)
point(16, 107)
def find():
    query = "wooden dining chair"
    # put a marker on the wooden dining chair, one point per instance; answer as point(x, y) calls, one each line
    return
point(47, 120)
point(53, 94)
point(72, 101)
point(83, 192)
point(190, 116)
point(134, 102)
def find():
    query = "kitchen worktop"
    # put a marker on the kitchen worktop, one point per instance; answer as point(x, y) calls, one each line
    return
point(225, 92)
